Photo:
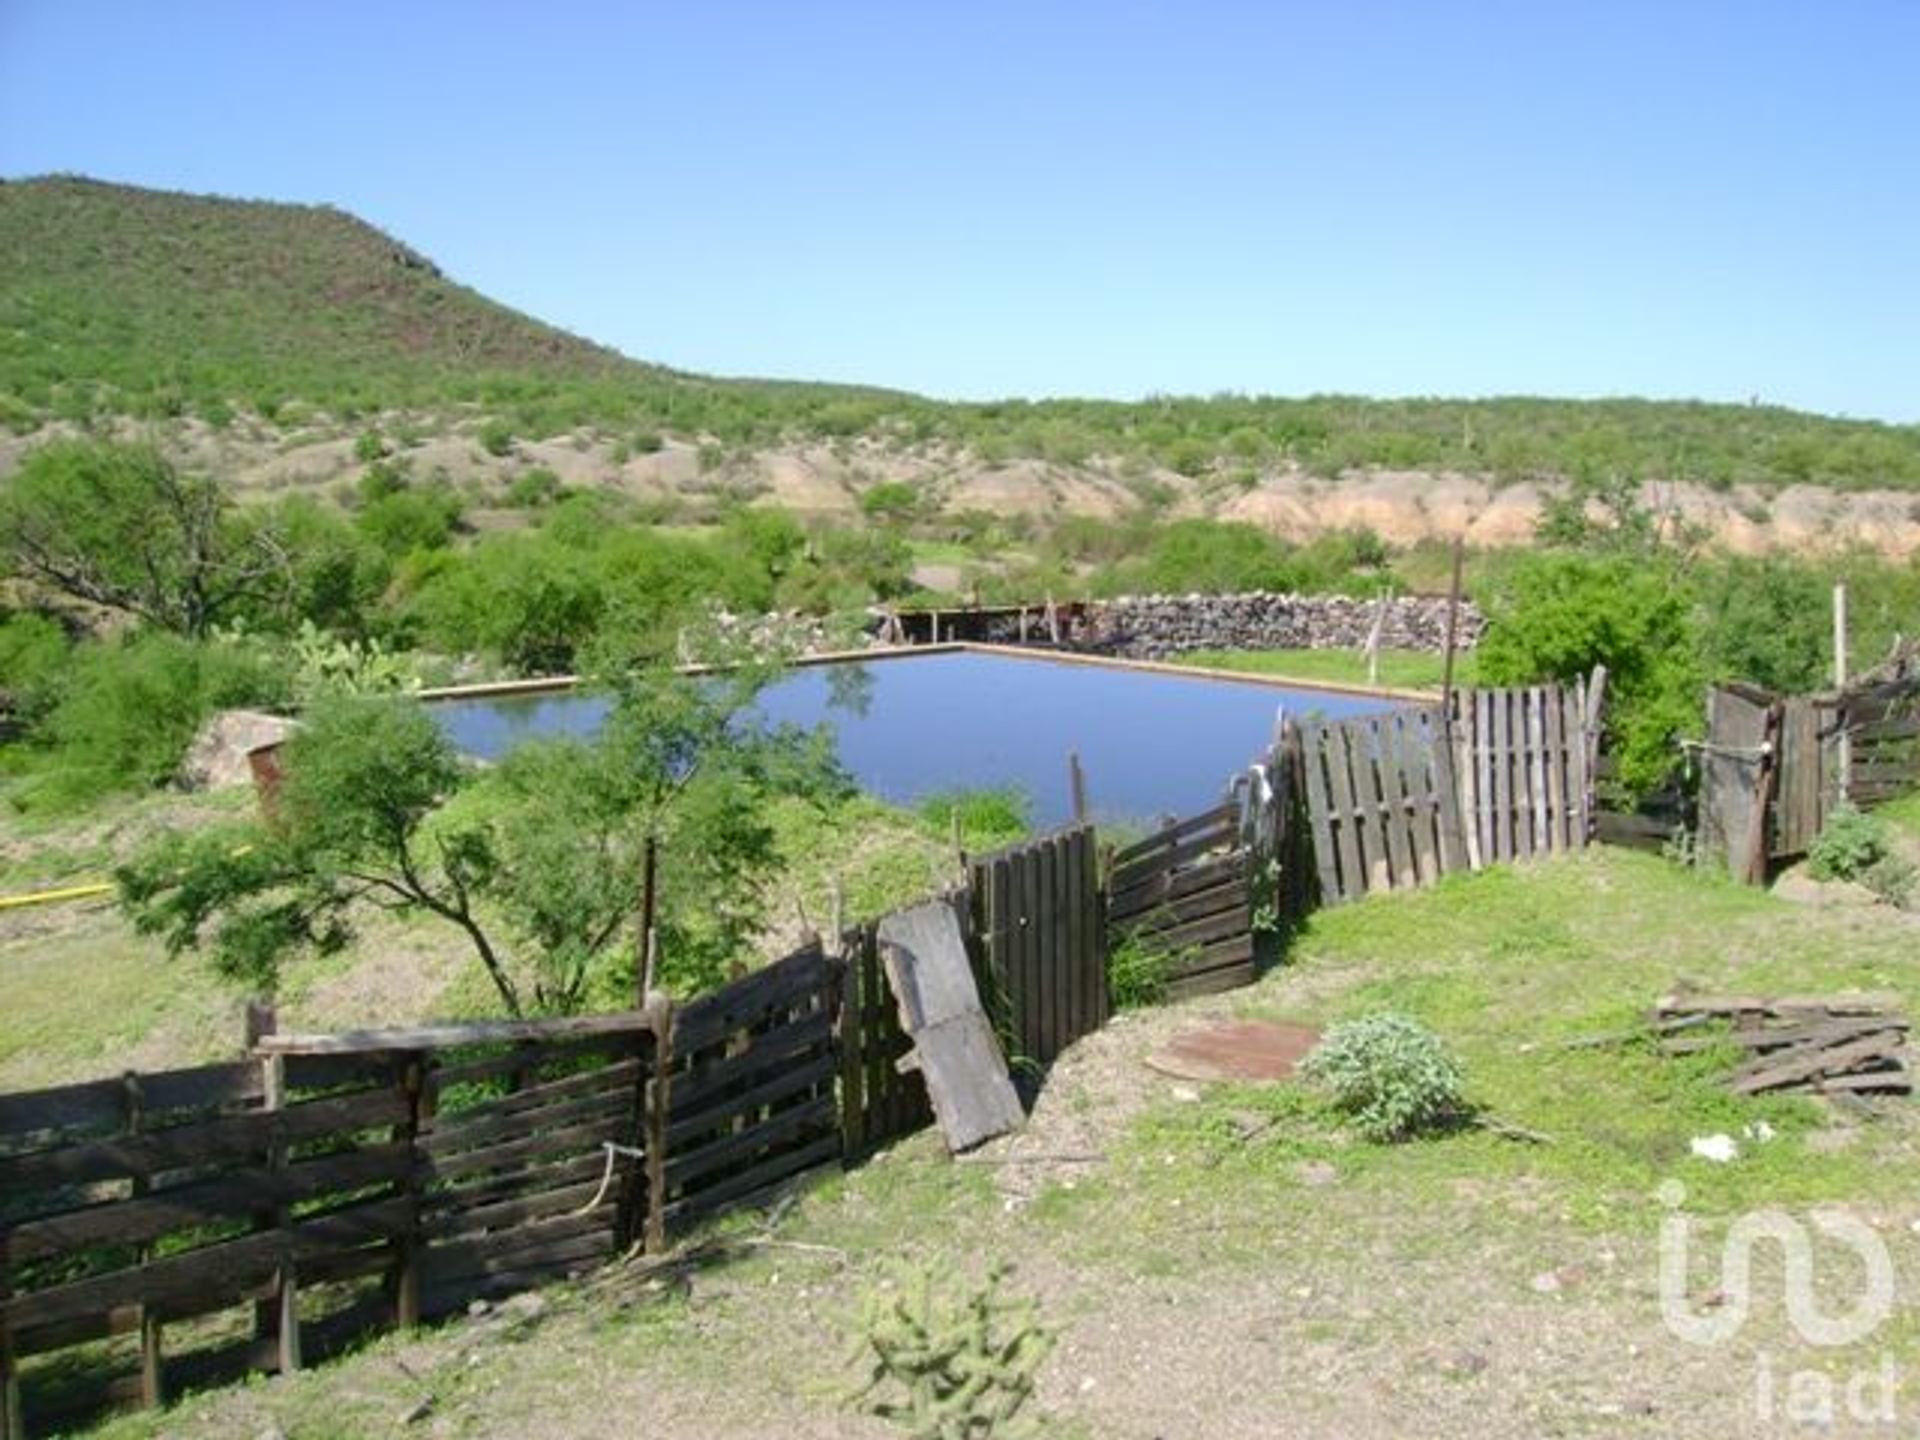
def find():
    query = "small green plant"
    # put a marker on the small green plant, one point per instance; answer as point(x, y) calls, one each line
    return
point(1391, 1074)
point(530, 488)
point(1849, 845)
point(1894, 880)
point(496, 438)
point(943, 1363)
point(325, 664)
point(1138, 971)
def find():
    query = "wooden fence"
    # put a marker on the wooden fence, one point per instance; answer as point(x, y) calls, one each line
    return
point(251, 1215)
point(879, 1102)
point(1041, 943)
point(751, 1084)
point(1525, 760)
point(1881, 723)
point(200, 1223)
point(1382, 803)
point(1187, 892)
point(1773, 767)
point(1395, 801)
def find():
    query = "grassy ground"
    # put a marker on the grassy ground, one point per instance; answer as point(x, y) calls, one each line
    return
point(1231, 1260)
point(1411, 669)
point(85, 995)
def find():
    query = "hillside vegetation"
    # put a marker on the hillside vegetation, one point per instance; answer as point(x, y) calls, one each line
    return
point(118, 301)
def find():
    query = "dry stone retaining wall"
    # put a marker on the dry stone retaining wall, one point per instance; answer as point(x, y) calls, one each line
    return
point(1152, 627)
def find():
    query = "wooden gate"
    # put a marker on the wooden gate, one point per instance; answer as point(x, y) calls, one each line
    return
point(1043, 955)
point(1382, 803)
point(1525, 760)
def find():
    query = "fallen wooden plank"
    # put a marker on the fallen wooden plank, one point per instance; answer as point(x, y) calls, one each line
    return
point(1859, 1003)
point(442, 1037)
point(960, 1058)
point(1808, 1062)
point(1780, 1037)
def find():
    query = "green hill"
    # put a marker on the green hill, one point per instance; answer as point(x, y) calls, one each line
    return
point(116, 300)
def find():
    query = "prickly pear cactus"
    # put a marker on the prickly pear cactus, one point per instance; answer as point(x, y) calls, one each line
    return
point(945, 1363)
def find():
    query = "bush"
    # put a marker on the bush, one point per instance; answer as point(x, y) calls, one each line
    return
point(1849, 845)
point(530, 488)
point(1138, 971)
point(1210, 556)
point(1392, 1075)
point(410, 520)
point(987, 818)
point(1556, 616)
point(129, 710)
point(33, 654)
point(496, 438)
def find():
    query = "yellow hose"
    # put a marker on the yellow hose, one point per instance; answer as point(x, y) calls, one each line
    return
point(51, 897)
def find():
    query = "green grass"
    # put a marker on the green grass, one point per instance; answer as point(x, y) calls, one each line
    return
point(1408, 669)
point(1903, 814)
point(1510, 965)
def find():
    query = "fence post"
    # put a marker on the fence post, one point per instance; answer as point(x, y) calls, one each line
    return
point(284, 1309)
point(1595, 715)
point(151, 1392)
point(12, 1426)
point(1077, 786)
point(659, 1111)
point(406, 1293)
point(847, 1034)
point(1843, 751)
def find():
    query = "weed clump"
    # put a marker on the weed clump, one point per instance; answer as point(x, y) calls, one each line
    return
point(947, 1364)
point(1390, 1074)
point(1849, 845)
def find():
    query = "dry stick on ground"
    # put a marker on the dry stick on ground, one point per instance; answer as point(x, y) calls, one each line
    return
point(1508, 1131)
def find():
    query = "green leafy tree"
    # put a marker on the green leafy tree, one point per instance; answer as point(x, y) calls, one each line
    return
point(1766, 621)
point(1554, 616)
point(537, 864)
point(119, 526)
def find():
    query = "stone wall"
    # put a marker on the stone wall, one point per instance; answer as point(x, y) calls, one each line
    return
point(1152, 627)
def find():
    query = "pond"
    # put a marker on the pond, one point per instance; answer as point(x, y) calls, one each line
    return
point(1150, 743)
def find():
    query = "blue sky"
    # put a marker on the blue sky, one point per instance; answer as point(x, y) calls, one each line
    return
point(985, 199)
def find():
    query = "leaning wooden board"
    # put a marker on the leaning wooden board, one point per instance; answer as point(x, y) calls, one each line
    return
point(959, 1057)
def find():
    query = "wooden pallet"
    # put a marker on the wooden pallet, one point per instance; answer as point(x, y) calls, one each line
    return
point(1843, 1044)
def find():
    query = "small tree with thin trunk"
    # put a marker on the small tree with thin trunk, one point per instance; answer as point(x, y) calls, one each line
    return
point(536, 863)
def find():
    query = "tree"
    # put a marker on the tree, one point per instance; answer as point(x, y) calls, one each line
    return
point(537, 863)
point(1554, 616)
point(119, 526)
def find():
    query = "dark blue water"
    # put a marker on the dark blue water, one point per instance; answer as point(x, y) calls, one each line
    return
point(1150, 744)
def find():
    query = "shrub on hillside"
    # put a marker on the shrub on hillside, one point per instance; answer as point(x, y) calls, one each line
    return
point(129, 709)
point(1848, 845)
point(496, 438)
point(410, 520)
point(1391, 1074)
